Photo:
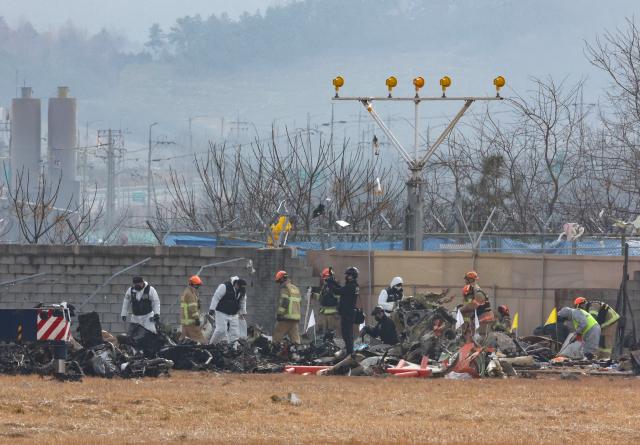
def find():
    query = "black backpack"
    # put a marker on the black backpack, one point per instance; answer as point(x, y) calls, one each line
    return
point(90, 330)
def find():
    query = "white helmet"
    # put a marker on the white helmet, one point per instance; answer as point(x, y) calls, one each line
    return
point(396, 281)
point(234, 279)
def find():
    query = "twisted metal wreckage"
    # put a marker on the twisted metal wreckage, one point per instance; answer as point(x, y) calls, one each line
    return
point(430, 346)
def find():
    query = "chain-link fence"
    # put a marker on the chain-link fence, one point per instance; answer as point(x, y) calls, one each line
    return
point(452, 242)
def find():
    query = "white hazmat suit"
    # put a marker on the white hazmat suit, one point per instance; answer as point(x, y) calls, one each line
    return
point(143, 320)
point(388, 297)
point(227, 325)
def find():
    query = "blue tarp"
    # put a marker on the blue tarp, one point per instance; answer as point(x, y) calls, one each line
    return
point(589, 246)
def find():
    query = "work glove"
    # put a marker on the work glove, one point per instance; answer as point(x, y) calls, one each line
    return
point(156, 318)
point(124, 318)
point(579, 337)
point(197, 322)
point(212, 313)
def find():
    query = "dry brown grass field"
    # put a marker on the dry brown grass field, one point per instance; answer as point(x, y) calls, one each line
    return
point(190, 408)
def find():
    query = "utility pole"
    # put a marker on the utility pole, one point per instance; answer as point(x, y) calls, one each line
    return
point(239, 125)
point(84, 161)
point(191, 119)
point(85, 156)
point(149, 169)
point(332, 123)
point(111, 174)
point(414, 215)
point(111, 148)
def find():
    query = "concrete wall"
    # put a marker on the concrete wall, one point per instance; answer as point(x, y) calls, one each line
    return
point(530, 284)
point(74, 272)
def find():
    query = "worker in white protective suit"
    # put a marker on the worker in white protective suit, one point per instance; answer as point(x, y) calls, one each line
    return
point(142, 301)
point(228, 306)
point(390, 296)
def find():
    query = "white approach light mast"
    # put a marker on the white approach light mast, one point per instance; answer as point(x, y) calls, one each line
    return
point(415, 183)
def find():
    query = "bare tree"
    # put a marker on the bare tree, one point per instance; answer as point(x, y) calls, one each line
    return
point(616, 154)
point(40, 218)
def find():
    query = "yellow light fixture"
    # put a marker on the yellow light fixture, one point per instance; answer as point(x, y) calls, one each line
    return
point(338, 82)
point(391, 83)
point(499, 82)
point(445, 83)
point(418, 82)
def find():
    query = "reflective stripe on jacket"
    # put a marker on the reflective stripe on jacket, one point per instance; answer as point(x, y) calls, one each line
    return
point(289, 306)
point(329, 310)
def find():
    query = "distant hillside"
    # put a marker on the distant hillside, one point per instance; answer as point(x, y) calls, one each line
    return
point(278, 64)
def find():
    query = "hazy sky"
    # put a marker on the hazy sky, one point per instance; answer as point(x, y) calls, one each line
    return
point(130, 17)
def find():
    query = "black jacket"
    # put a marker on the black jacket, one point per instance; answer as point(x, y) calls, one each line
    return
point(348, 296)
point(385, 330)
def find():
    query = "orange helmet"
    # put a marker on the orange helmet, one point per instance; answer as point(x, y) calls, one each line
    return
point(579, 300)
point(466, 290)
point(280, 276)
point(195, 280)
point(473, 275)
point(326, 273)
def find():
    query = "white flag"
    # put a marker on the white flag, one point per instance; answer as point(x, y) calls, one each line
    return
point(459, 319)
point(477, 322)
point(312, 321)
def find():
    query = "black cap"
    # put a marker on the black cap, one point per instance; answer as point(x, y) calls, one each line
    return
point(376, 310)
point(241, 282)
point(137, 280)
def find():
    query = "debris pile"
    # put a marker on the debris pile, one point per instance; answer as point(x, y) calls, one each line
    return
point(429, 346)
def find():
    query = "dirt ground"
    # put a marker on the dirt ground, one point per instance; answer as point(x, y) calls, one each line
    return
point(192, 408)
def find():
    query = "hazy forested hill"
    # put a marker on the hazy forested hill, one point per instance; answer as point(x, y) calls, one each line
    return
point(277, 64)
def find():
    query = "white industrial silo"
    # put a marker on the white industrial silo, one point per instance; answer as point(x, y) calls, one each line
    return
point(25, 138)
point(62, 145)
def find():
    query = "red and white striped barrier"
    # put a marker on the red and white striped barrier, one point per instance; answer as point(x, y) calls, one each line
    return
point(53, 327)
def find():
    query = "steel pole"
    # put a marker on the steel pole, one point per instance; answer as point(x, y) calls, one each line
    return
point(149, 170)
point(415, 211)
point(415, 132)
point(110, 180)
point(369, 248)
point(415, 184)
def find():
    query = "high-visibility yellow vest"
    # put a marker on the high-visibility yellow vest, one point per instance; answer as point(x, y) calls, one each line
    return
point(591, 322)
point(612, 317)
point(289, 307)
